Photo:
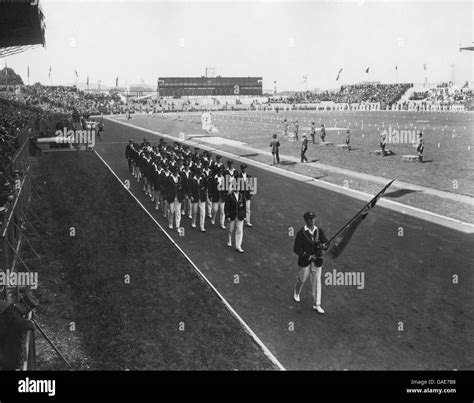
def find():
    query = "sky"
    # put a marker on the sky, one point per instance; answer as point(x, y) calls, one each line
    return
point(280, 41)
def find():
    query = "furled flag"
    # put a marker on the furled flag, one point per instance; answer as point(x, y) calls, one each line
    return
point(77, 75)
point(116, 82)
point(339, 74)
point(49, 74)
point(424, 66)
point(367, 69)
point(344, 235)
point(88, 80)
point(396, 67)
point(28, 71)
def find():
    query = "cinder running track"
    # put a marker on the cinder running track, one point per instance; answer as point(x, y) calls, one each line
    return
point(409, 315)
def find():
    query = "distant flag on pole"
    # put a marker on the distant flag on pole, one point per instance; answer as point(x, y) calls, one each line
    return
point(116, 82)
point(339, 74)
point(49, 74)
point(424, 66)
point(344, 235)
point(88, 80)
point(28, 71)
point(367, 69)
point(77, 75)
point(396, 67)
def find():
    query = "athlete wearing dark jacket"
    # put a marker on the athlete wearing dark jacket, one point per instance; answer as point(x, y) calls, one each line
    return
point(307, 245)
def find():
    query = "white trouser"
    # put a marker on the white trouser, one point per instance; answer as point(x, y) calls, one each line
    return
point(218, 206)
point(209, 207)
point(314, 273)
point(247, 211)
point(239, 232)
point(174, 211)
point(202, 213)
point(186, 206)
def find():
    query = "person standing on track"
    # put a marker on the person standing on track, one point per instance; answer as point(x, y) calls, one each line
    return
point(297, 129)
point(323, 133)
point(420, 146)
point(304, 148)
point(275, 145)
point(285, 129)
point(313, 130)
point(309, 244)
point(383, 143)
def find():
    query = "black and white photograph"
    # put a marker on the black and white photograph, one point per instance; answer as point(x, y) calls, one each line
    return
point(245, 189)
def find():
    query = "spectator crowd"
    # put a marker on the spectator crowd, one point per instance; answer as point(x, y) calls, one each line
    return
point(386, 94)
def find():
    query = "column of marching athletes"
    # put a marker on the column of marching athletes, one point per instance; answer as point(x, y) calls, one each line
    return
point(192, 185)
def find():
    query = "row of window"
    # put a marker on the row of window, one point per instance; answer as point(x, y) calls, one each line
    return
point(217, 81)
point(177, 92)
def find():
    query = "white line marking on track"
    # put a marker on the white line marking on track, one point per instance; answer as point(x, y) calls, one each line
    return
point(246, 327)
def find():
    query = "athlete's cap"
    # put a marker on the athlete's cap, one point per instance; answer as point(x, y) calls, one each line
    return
point(230, 162)
point(243, 166)
point(308, 215)
point(218, 157)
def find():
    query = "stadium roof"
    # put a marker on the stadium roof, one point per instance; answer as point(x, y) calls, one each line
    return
point(21, 26)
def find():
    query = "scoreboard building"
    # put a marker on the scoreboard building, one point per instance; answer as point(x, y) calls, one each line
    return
point(209, 86)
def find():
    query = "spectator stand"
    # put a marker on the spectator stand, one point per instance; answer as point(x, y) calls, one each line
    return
point(13, 220)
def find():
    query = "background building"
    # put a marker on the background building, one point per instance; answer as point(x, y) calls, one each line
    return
point(209, 86)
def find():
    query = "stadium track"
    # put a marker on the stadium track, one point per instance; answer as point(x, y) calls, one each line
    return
point(408, 278)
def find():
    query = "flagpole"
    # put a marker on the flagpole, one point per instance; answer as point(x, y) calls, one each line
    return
point(361, 210)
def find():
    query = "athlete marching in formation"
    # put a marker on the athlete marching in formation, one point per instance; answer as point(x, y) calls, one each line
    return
point(179, 181)
point(235, 214)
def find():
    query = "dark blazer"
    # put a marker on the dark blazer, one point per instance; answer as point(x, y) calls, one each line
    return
point(186, 181)
point(215, 194)
point(198, 190)
point(305, 246)
point(173, 189)
point(246, 193)
point(128, 151)
point(235, 209)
